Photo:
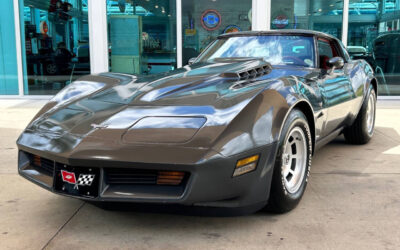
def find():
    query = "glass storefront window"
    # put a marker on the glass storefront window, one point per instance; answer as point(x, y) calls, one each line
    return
point(55, 44)
point(391, 6)
point(142, 36)
point(374, 35)
point(204, 20)
point(8, 51)
point(320, 15)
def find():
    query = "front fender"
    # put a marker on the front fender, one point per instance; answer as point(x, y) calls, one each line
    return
point(261, 121)
point(258, 124)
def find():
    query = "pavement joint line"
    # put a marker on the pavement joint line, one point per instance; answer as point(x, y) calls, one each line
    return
point(62, 227)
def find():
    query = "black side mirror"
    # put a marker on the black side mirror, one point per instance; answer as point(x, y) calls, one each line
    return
point(336, 62)
point(191, 60)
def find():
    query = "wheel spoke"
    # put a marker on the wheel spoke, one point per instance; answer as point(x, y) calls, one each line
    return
point(285, 170)
point(294, 159)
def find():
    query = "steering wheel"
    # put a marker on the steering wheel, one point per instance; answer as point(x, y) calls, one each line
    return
point(295, 60)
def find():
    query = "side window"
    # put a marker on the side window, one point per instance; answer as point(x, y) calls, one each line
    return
point(326, 50)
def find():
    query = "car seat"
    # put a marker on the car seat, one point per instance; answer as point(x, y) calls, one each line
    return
point(324, 62)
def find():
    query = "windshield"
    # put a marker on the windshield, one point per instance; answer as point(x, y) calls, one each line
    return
point(277, 50)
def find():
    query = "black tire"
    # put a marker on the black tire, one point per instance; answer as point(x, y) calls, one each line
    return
point(281, 200)
point(359, 132)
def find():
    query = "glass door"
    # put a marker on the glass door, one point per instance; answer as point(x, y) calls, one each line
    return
point(141, 36)
point(55, 44)
point(321, 15)
point(204, 20)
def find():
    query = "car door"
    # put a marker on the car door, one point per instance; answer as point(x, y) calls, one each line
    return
point(335, 86)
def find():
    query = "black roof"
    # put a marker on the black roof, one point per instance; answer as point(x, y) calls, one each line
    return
point(296, 32)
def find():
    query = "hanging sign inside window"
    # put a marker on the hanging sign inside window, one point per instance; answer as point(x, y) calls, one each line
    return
point(43, 27)
point(280, 22)
point(232, 29)
point(211, 20)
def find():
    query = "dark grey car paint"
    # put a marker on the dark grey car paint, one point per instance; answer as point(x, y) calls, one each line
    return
point(227, 119)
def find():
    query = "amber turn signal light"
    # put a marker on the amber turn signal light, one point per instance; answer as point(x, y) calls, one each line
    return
point(170, 178)
point(246, 165)
point(36, 160)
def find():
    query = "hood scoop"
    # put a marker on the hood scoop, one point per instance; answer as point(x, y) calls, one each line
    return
point(256, 72)
point(249, 73)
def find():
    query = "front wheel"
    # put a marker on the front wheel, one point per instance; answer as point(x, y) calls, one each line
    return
point(361, 131)
point(50, 69)
point(292, 164)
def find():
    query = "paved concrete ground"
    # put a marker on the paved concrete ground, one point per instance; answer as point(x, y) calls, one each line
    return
point(352, 202)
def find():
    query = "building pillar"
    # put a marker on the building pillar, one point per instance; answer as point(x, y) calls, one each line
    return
point(98, 40)
point(261, 15)
point(345, 22)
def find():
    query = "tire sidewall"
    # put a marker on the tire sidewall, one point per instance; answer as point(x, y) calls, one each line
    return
point(357, 133)
point(365, 131)
point(280, 194)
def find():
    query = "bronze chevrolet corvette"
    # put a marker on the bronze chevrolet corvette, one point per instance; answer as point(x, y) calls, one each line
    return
point(236, 128)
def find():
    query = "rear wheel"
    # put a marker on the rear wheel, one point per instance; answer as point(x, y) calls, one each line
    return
point(292, 164)
point(362, 130)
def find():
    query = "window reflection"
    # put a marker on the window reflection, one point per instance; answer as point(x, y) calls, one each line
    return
point(319, 15)
point(374, 35)
point(56, 44)
point(142, 36)
point(204, 20)
point(277, 50)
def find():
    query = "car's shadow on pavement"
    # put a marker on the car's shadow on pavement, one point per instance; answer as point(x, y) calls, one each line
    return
point(341, 157)
point(171, 209)
point(198, 211)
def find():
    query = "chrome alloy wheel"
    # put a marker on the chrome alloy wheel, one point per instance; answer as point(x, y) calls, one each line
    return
point(370, 114)
point(294, 160)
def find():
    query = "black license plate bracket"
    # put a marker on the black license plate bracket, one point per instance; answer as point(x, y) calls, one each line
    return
point(77, 181)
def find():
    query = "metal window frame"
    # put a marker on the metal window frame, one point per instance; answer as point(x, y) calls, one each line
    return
point(179, 36)
point(17, 25)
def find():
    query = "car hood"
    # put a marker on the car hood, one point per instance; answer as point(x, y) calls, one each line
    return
point(201, 84)
point(186, 108)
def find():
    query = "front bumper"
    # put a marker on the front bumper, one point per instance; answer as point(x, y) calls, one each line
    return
point(206, 184)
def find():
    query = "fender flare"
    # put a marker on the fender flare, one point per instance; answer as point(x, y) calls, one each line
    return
point(304, 106)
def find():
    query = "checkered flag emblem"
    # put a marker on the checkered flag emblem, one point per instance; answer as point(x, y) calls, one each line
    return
point(85, 179)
